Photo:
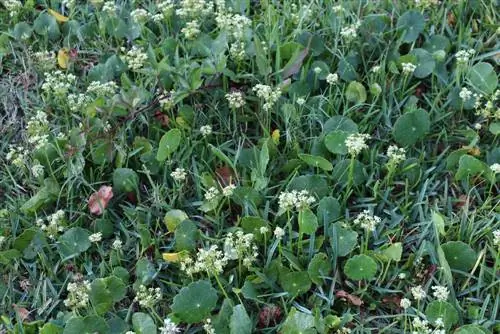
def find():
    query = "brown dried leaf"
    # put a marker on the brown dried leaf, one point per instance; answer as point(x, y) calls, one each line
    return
point(350, 298)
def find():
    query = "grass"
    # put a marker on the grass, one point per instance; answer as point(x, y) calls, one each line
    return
point(92, 133)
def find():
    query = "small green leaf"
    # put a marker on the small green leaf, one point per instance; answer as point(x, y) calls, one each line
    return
point(394, 252)
point(470, 166)
point(169, 142)
point(328, 210)
point(411, 23)
point(73, 242)
point(442, 310)
point(143, 323)
point(295, 283)
point(355, 92)
point(125, 180)
point(298, 323)
point(316, 161)
point(459, 255)
point(144, 271)
point(319, 267)
point(438, 221)
point(425, 63)
point(308, 223)
point(240, 322)
point(173, 218)
point(186, 235)
point(483, 77)
point(360, 267)
point(194, 302)
point(411, 127)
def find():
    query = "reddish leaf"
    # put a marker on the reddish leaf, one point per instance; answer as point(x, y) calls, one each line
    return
point(22, 313)
point(225, 175)
point(350, 298)
point(98, 201)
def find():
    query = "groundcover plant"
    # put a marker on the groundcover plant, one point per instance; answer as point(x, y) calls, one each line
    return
point(248, 166)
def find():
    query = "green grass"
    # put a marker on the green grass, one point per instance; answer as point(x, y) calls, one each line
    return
point(324, 271)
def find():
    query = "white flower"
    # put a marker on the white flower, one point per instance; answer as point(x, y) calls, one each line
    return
point(237, 51)
point(37, 170)
point(440, 292)
point(129, 332)
point(317, 70)
point(117, 244)
point(477, 126)
point(402, 276)
point(78, 102)
point(396, 154)
point(135, 58)
point(463, 56)
point(367, 221)
point(405, 303)
point(279, 232)
point(268, 94)
point(211, 194)
point(418, 293)
point(139, 15)
point(211, 261)
point(234, 24)
point(350, 32)
point(496, 237)
point(109, 8)
point(12, 6)
point(148, 297)
point(240, 246)
point(421, 326)
point(195, 8)
point(179, 174)
point(207, 326)
point(263, 230)
point(332, 78)
point(495, 168)
point(206, 130)
point(294, 199)
point(356, 142)
point(304, 199)
point(235, 99)
point(439, 323)
point(78, 294)
point(376, 69)
point(58, 83)
point(465, 94)
point(169, 327)
point(96, 237)
point(191, 30)
point(55, 224)
point(301, 101)
point(408, 68)
point(102, 89)
point(228, 190)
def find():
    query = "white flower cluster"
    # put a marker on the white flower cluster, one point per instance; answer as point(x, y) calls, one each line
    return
point(303, 14)
point(495, 168)
point(44, 60)
point(109, 8)
point(78, 296)
point(240, 246)
point(235, 99)
point(279, 232)
point(206, 130)
point(488, 109)
point(237, 51)
point(332, 78)
point(190, 9)
point(191, 30)
point(117, 244)
point(211, 260)
point(18, 155)
point(301, 101)
point(12, 6)
point(166, 7)
point(288, 200)
point(135, 58)
point(169, 327)
point(228, 190)
point(405, 303)
point(139, 15)
point(496, 238)
point(396, 154)
point(37, 170)
point(440, 292)
point(78, 102)
point(350, 32)
point(211, 194)
point(376, 68)
point(426, 3)
point(102, 89)
point(207, 327)
point(58, 83)
point(465, 94)
point(69, 3)
point(367, 220)
point(148, 297)
point(55, 224)
point(235, 24)
point(167, 101)
point(408, 68)
point(37, 130)
point(268, 94)
point(179, 174)
point(422, 326)
point(463, 56)
point(356, 142)
point(418, 293)
point(95, 237)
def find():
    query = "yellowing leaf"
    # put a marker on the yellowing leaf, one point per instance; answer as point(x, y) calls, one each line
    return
point(59, 18)
point(172, 257)
point(63, 58)
point(276, 136)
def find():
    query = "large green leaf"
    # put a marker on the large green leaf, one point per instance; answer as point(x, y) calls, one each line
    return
point(483, 77)
point(360, 267)
point(169, 142)
point(459, 255)
point(73, 242)
point(195, 302)
point(411, 23)
point(411, 127)
point(143, 323)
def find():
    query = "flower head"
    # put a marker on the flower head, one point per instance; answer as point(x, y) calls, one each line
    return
point(396, 154)
point(206, 130)
point(356, 142)
point(169, 327)
point(440, 292)
point(418, 293)
point(96, 237)
point(179, 174)
point(367, 221)
point(279, 233)
point(332, 78)
point(405, 303)
point(408, 68)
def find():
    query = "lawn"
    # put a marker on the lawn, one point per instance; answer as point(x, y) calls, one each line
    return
point(245, 166)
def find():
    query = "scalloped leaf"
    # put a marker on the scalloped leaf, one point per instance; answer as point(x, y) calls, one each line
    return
point(295, 283)
point(411, 127)
point(360, 267)
point(444, 310)
point(411, 23)
point(459, 255)
point(319, 267)
point(194, 302)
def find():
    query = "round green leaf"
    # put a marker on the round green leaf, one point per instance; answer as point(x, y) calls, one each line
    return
point(195, 302)
point(425, 63)
point(411, 23)
point(360, 267)
point(495, 128)
point(253, 225)
point(298, 323)
point(314, 184)
point(102, 152)
point(316, 161)
point(411, 127)
point(470, 166)
point(308, 223)
point(335, 141)
point(186, 235)
point(169, 142)
point(73, 242)
point(125, 180)
point(355, 92)
point(483, 77)
point(295, 283)
point(86, 325)
point(105, 292)
point(22, 30)
point(240, 322)
point(444, 310)
point(339, 122)
point(143, 323)
point(319, 267)
point(459, 255)
point(328, 210)
point(173, 218)
point(471, 329)
point(437, 43)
